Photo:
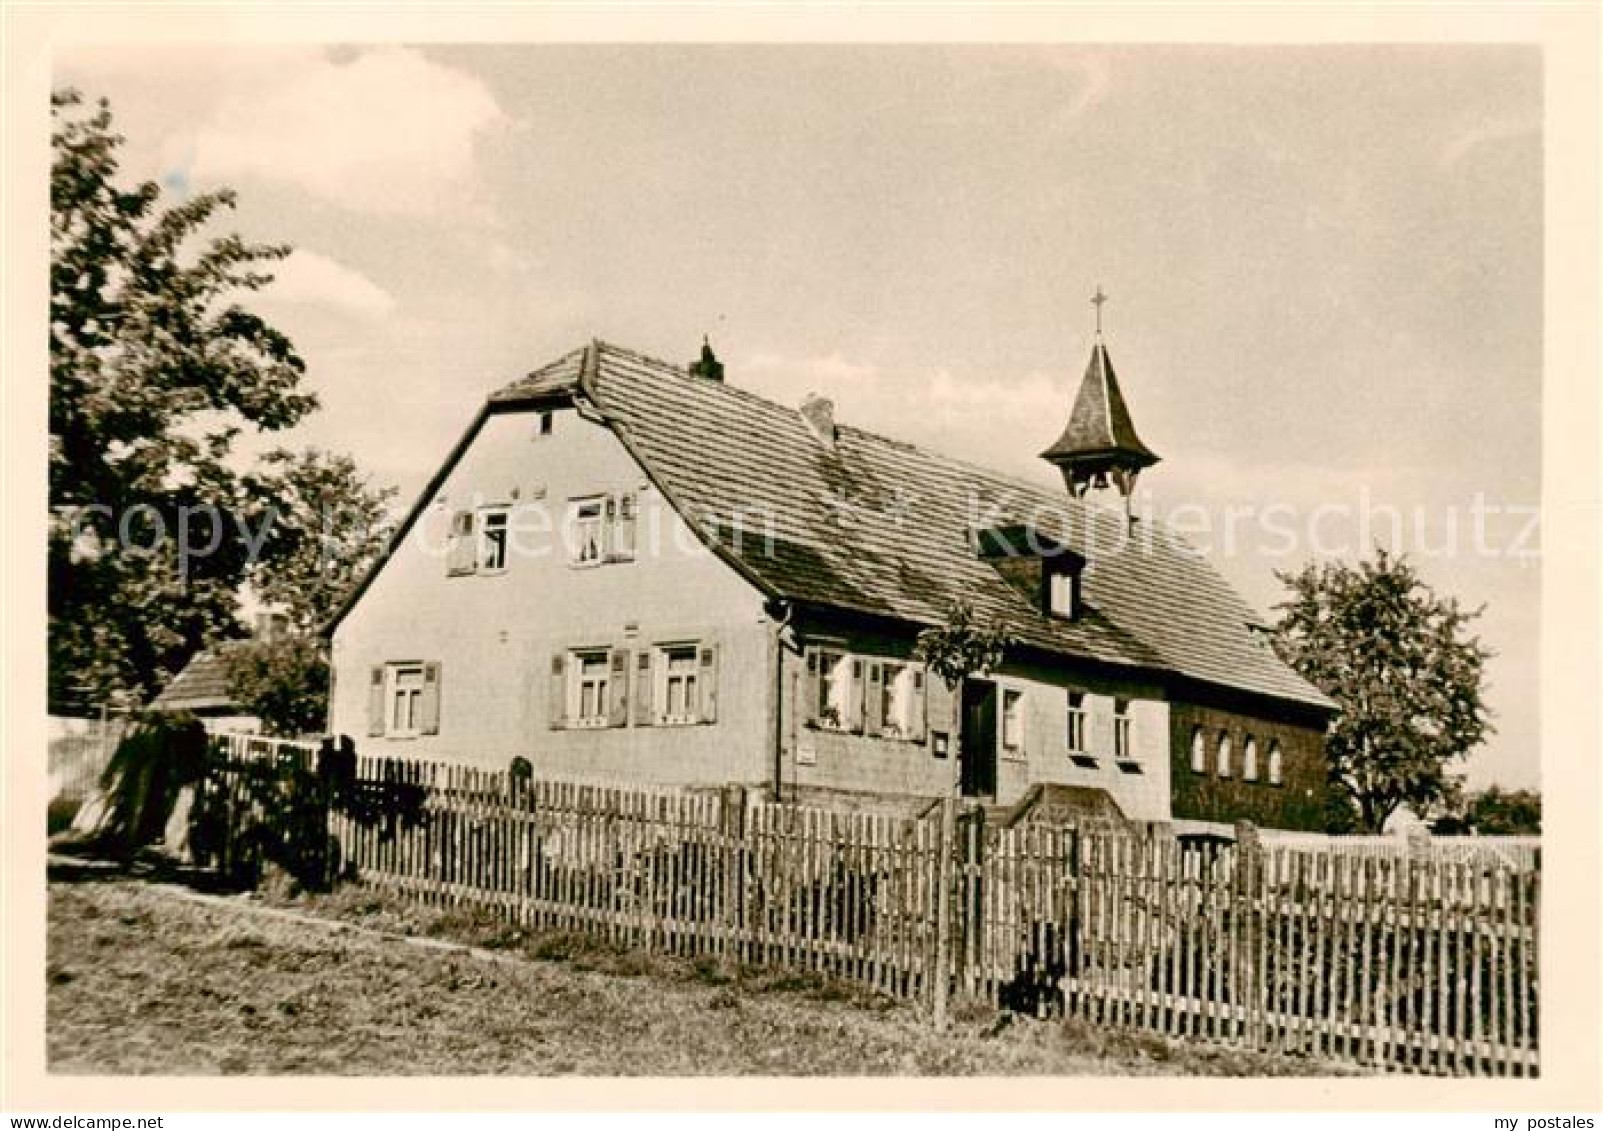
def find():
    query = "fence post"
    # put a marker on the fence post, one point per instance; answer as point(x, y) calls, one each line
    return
point(941, 968)
point(1244, 981)
point(732, 822)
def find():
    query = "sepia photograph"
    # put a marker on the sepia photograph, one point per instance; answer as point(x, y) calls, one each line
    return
point(795, 559)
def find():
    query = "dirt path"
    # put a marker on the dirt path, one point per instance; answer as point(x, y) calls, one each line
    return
point(149, 979)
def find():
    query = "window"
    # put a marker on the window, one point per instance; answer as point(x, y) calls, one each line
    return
point(1060, 594)
point(1123, 750)
point(1275, 767)
point(405, 700)
point(1249, 759)
point(1223, 766)
point(1076, 723)
point(586, 542)
point(1012, 720)
point(542, 425)
point(602, 529)
point(899, 700)
point(677, 691)
point(834, 688)
point(492, 556)
point(1199, 750)
point(587, 689)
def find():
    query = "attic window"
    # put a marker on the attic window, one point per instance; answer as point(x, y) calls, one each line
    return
point(1063, 592)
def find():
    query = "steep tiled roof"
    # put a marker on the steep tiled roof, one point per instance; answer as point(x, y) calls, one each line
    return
point(882, 527)
point(201, 685)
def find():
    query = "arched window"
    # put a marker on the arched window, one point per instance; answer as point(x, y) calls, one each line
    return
point(1199, 750)
point(1224, 754)
point(1274, 763)
point(1249, 759)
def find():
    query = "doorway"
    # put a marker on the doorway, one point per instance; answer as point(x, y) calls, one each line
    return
point(977, 744)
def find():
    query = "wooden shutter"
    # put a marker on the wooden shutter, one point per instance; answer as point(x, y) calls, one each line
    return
point(462, 554)
point(557, 692)
point(874, 701)
point(429, 702)
point(855, 694)
point(809, 703)
point(621, 512)
point(707, 682)
point(645, 688)
point(375, 701)
point(618, 688)
point(915, 712)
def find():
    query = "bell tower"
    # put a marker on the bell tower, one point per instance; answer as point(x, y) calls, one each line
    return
point(1099, 446)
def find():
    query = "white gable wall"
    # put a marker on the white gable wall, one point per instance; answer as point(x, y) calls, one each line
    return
point(494, 635)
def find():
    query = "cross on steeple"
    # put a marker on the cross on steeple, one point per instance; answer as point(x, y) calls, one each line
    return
point(1097, 300)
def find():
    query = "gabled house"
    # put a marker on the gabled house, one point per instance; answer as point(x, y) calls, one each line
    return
point(634, 570)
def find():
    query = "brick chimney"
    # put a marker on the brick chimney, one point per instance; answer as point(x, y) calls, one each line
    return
point(819, 413)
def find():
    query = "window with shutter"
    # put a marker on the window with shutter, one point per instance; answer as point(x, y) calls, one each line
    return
point(461, 554)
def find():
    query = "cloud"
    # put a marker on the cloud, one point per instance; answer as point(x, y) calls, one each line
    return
point(385, 131)
point(315, 280)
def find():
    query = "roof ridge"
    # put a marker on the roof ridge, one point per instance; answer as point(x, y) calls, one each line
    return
point(1013, 478)
point(1088, 513)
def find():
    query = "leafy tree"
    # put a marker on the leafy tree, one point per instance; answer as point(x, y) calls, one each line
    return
point(282, 680)
point(155, 369)
point(1408, 677)
point(328, 526)
point(1493, 812)
point(963, 646)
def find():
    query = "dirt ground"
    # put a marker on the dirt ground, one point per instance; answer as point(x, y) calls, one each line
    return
point(150, 978)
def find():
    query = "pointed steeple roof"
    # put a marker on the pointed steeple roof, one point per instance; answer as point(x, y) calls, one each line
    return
point(1100, 428)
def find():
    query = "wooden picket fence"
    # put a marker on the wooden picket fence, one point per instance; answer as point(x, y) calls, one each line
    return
point(1401, 962)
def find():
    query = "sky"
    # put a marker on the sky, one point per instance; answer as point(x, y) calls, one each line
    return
point(1324, 264)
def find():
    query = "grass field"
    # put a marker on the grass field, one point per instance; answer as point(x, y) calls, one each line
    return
point(146, 978)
